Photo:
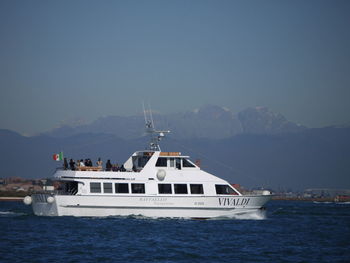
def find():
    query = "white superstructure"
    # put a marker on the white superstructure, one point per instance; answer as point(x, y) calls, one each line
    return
point(154, 184)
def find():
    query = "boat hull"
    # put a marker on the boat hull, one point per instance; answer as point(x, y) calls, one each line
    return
point(148, 206)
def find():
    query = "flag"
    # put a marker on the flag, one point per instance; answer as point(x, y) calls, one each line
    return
point(58, 156)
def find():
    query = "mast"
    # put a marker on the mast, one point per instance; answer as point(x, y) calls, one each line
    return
point(155, 135)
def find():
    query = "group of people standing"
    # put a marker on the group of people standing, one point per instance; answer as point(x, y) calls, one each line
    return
point(114, 167)
point(74, 165)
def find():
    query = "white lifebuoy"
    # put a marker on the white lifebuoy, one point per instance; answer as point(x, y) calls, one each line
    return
point(161, 174)
point(27, 200)
point(50, 199)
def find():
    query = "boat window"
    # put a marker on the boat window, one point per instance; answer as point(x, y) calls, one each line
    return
point(196, 189)
point(172, 162)
point(95, 187)
point(142, 161)
point(161, 162)
point(178, 163)
point(180, 188)
point(121, 188)
point(107, 188)
point(138, 188)
point(187, 163)
point(222, 189)
point(70, 188)
point(164, 188)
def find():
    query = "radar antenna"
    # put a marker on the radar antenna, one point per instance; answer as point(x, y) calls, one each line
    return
point(155, 135)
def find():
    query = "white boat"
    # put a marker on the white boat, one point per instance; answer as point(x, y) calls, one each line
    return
point(154, 184)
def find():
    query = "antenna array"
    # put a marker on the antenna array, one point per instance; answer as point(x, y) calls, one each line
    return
point(155, 135)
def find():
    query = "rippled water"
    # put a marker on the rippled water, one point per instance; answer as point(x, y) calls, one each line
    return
point(291, 232)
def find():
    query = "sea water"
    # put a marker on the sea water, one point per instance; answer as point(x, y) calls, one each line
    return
point(289, 232)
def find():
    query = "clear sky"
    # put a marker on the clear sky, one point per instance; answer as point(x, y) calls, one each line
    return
point(65, 59)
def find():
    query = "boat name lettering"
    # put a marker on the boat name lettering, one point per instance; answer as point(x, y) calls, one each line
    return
point(153, 199)
point(226, 201)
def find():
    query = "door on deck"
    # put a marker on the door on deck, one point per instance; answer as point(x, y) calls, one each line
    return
point(151, 188)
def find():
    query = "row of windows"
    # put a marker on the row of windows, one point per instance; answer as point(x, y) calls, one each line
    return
point(123, 188)
point(196, 189)
point(120, 188)
point(174, 162)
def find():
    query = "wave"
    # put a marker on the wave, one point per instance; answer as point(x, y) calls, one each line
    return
point(10, 214)
point(251, 215)
point(342, 203)
point(254, 215)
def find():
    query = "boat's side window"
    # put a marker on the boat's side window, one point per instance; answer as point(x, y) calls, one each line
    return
point(95, 187)
point(180, 188)
point(196, 189)
point(187, 163)
point(164, 188)
point(138, 188)
point(71, 187)
point(107, 188)
point(121, 188)
point(161, 162)
point(222, 189)
point(142, 161)
point(172, 162)
point(178, 164)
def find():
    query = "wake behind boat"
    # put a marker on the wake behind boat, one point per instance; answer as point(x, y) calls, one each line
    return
point(153, 184)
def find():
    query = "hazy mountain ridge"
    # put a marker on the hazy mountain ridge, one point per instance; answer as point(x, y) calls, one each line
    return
point(305, 159)
point(255, 147)
point(261, 120)
point(209, 121)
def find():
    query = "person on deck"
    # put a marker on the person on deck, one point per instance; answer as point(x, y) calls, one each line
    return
point(115, 167)
point(122, 168)
point(65, 164)
point(99, 163)
point(72, 164)
point(108, 165)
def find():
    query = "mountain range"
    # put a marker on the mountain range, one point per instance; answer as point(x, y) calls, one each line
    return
point(255, 147)
point(209, 121)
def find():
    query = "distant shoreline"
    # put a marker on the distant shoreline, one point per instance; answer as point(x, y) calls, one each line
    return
point(304, 199)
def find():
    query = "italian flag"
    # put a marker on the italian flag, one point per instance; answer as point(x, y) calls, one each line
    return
point(58, 156)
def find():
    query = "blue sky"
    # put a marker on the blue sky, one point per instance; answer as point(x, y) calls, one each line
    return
point(65, 59)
